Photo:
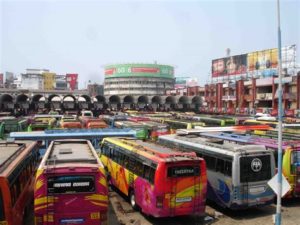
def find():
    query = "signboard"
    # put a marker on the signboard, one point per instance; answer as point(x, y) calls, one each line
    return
point(255, 64)
point(139, 70)
point(273, 183)
point(229, 66)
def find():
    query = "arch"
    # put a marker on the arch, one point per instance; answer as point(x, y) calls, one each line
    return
point(183, 100)
point(100, 99)
point(156, 100)
point(114, 99)
point(196, 100)
point(22, 98)
point(6, 98)
point(6, 102)
point(69, 98)
point(170, 100)
point(114, 102)
point(142, 99)
point(37, 98)
point(84, 98)
point(128, 99)
point(54, 98)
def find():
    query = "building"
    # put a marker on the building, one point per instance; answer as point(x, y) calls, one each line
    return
point(33, 79)
point(72, 81)
point(61, 82)
point(138, 79)
point(1, 80)
point(248, 83)
point(9, 80)
point(49, 81)
point(95, 89)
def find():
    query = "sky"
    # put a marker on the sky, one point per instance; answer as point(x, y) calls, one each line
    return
point(82, 36)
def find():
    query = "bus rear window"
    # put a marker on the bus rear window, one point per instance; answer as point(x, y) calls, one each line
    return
point(71, 184)
point(183, 171)
point(255, 168)
point(2, 214)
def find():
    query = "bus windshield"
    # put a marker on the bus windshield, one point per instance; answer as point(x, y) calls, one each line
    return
point(71, 184)
point(255, 168)
point(296, 157)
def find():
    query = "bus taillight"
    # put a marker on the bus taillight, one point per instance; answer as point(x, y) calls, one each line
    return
point(159, 201)
point(38, 220)
point(103, 216)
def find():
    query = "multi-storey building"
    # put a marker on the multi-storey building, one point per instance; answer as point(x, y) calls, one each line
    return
point(138, 79)
point(252, 96)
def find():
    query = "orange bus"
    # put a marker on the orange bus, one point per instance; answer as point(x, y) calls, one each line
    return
point(18, 162)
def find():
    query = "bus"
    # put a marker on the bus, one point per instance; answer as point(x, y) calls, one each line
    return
point(237, 175)
point(158, 180)
point(141, 131)
point(156, 129)
point(290, 157)
point(70, 185)
point(70, 122)
point(181, 124)
point(18, 163)
point(12, 124)
point(42, 123)
point(257, 121)
point(210, 120)
point(274, 134)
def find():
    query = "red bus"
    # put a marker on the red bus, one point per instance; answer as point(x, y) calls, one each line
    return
point(160, 181)
point(70, 186)
point(18, 162)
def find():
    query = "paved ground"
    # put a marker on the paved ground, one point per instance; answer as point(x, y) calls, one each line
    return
point(121, 213)
point(214, 215)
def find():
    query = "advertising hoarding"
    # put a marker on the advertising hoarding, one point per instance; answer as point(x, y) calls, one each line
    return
point(255, 64)
point(229, 66)
point(139, 70)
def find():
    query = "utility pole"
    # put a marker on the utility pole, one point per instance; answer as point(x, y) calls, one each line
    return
point(280, 115)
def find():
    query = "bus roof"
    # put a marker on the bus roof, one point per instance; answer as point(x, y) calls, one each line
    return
point(152, 150)
point(225, 149)
point(9, 151)
point(70, 151)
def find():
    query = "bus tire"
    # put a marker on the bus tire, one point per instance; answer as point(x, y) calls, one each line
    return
point(132, 200)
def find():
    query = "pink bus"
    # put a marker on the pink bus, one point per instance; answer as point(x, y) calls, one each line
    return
point(160, 181)
point(70, 186)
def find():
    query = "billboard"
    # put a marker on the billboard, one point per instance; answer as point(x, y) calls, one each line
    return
point(229, 66)
point(139, 70)
point(72, 81)
point(183, 82)
point(260, 63)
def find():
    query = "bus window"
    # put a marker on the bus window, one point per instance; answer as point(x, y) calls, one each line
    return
point(71, 184)
point(220, 166)
point(228, 168)
point(210, 162)
point(149, 174)
point(248, 173)
point(2, 214)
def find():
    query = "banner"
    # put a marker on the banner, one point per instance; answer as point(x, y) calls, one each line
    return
point(229, 66)
point(260, 63)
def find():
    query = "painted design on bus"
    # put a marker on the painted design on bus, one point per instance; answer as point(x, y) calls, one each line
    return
point(159, 186)
point(71, 187)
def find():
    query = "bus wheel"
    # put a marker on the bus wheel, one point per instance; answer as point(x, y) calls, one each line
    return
point(132, 200)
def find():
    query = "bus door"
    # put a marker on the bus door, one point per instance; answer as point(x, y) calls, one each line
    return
point(70, 199)
point(185, 187)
